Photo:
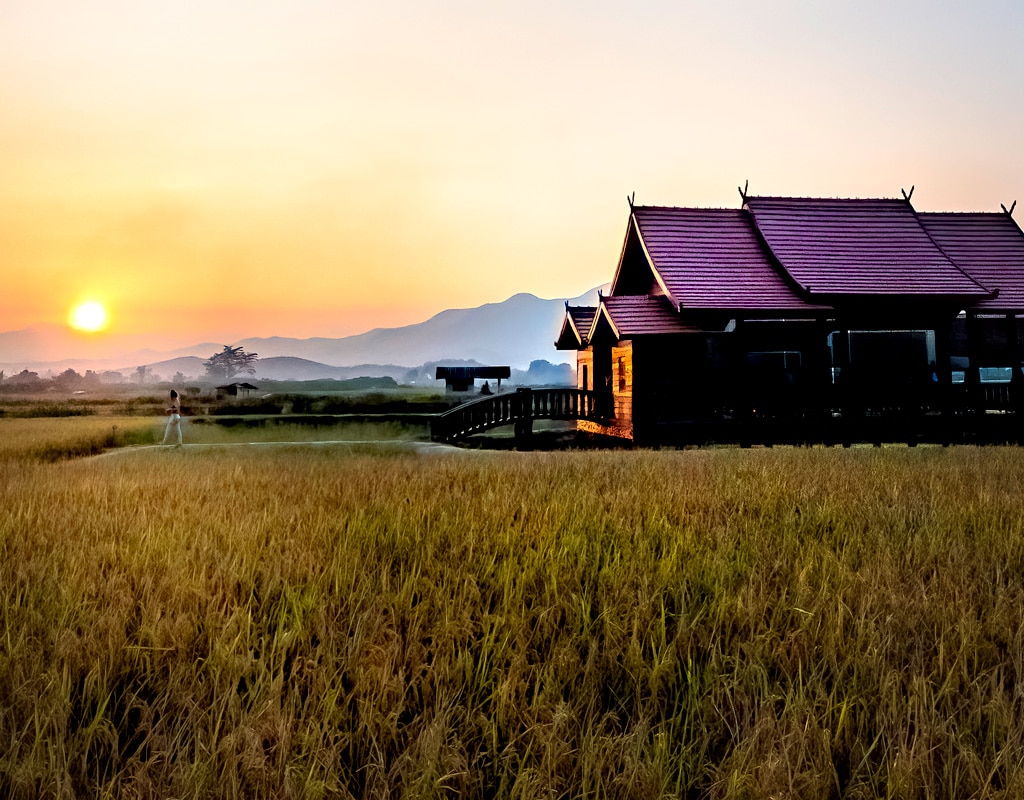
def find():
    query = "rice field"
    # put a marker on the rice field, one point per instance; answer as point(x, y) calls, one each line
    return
point(329, 622)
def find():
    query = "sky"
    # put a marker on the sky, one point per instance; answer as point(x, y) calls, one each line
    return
point(217, 170)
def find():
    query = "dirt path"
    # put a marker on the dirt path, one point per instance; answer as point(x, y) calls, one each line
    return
point(420, 448)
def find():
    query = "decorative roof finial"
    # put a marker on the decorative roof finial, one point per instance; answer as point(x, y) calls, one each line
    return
point(743, 191)
point(907, 195)
point(1008, 211)
point(629, 199)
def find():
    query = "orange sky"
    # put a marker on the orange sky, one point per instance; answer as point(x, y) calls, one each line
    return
point(218, 169)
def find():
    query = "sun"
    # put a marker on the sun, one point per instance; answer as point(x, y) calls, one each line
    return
point(89, 316)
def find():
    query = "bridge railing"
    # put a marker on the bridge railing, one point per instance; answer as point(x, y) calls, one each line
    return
point(516, 408)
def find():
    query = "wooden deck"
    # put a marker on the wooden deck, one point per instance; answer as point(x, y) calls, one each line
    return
point(519, 408)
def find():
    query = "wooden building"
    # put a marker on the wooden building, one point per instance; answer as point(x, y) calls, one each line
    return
point(805, 319)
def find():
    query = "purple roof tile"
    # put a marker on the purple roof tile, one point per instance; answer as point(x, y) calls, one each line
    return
point(857, 247)
point(987, 246)
point(640, 315)
point(713, 259)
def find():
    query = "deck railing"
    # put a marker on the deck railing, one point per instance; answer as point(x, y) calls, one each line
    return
point(517, 408)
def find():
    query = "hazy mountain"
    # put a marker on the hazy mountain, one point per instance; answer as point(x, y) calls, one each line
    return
point(515, 332)
point(275, 368)
point(289, 368)
point(51, 344)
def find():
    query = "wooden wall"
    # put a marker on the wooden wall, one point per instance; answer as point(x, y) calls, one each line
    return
point(622, 382)
point(585, 369)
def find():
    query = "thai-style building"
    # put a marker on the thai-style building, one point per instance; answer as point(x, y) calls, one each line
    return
point(806, 319)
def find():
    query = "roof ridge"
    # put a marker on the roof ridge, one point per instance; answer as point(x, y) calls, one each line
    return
point(966, 213)
point(832, 199)
point(684, 208)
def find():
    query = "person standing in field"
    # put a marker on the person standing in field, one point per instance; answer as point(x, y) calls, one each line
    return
point(174, 420)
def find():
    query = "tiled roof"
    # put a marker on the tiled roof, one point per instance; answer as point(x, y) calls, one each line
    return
point(575, 327)
point(712, 258)
point(857, 247)
point(641, 315)
point(989, 247)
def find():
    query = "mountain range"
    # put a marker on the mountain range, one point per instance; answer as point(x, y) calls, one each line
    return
point(514, 332)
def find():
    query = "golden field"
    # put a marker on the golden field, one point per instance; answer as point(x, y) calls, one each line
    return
point(360, 622)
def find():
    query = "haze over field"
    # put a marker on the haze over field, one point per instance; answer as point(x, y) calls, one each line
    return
point(211, 171)
point(515, 332)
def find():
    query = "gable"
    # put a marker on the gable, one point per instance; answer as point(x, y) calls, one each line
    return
point(576, 326)
point(634, 275)
point(714, 259)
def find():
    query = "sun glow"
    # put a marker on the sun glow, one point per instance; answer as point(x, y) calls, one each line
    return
point(89, 316)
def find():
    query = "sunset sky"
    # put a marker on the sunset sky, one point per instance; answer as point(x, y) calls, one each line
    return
point(213, 170)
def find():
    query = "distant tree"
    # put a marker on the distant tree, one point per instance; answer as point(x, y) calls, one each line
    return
point(229, 362)
point(179, 378)
point(142, 372)
point(25, 376)
point(68, 379)
point(1, 374)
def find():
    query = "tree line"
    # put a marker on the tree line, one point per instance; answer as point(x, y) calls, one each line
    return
point(229, 363)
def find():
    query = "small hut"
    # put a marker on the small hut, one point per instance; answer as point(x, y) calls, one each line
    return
point(235, 390)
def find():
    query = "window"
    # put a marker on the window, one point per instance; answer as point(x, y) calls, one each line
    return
point(622, 374)
point(995, 374)
point(586, 377)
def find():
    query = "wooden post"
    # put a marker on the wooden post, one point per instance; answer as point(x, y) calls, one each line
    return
point(941, 390)
point(972, 377)
point(1016, 376)
point(844, 388)
point(524, 420)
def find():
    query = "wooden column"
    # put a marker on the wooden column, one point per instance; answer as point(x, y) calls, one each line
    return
point(740, 380)
point(844, 389)
point(819, 401)
point(1013, 350)
point(524, 421)
point(972, 377)
point(942, 388)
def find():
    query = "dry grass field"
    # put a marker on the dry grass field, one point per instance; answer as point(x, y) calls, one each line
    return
point(329, 622)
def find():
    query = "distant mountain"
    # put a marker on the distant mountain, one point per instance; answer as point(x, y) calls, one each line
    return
point(289, 368)
point(519, 330)
point(515, 332)
point(275, 368)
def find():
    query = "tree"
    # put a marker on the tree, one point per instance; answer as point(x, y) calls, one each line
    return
point(25, 377)
point(229, 362)
point(68, 379)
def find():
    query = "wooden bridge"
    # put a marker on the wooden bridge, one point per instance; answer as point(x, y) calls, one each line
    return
point(519, 408)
